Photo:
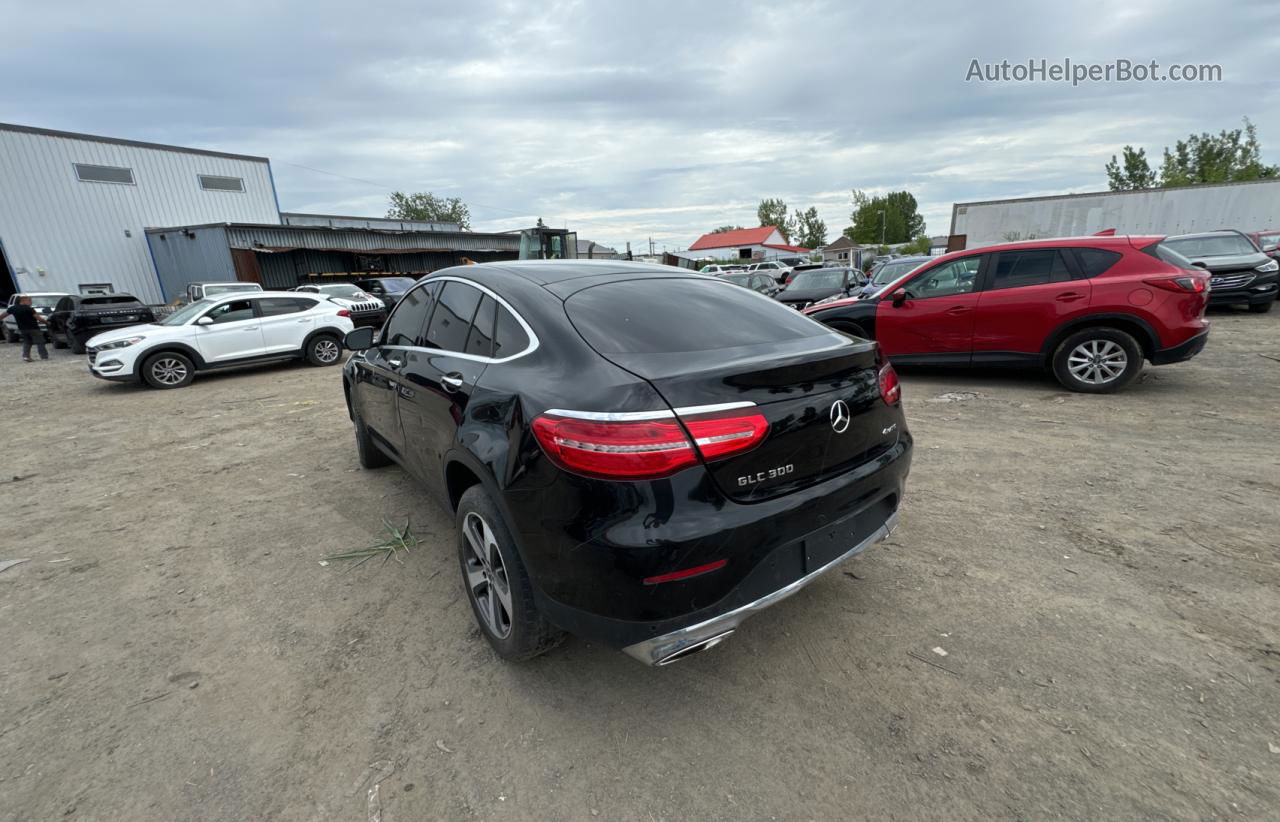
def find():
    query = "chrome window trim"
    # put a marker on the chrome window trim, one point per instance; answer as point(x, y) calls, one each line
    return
point(534, 342)
point(636, 416)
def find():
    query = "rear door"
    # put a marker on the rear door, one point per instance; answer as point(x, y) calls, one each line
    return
point(236, 332)
point(817, 389)
point(286, 322)
point(378, 372)
point(1027, 294)
point(438, 378)
point(936, 321)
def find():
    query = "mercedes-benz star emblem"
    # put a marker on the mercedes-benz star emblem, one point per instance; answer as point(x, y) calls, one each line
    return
point(840, 416)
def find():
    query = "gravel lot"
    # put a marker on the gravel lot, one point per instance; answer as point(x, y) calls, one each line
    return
point(1101, 573)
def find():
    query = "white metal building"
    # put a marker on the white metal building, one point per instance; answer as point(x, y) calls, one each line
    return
point(73, 207)
point(1251, 206)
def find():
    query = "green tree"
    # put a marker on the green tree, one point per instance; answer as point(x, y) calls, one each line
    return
point(423, 205)
point(774, 212)
point(726, 228)
point(920, 245)
point(1131, 174)
point(1231, 156)
point(893, 218)
point(810, 230)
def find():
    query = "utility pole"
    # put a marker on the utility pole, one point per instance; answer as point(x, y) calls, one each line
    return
point(650, 246)
point(882, 225)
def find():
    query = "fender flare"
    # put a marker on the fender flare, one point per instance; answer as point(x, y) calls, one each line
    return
point(1147, 336)
point(180, 347)
point(328, 331)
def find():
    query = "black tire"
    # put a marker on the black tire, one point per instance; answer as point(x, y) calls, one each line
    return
point(1261, 308)
point(57, 343)
point(324, 349)
point(75, 343)
point(369, 455)
point(168, 369)
point(10, 336)
point(528, 634)
point(849, 328)
point(1097, 360)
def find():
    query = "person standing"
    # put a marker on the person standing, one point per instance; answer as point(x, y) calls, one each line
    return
point(28, 327)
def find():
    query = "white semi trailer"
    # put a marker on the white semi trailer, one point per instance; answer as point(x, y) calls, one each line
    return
point(1247, 207)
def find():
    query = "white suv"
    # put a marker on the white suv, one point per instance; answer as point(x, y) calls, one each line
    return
point(223, 331)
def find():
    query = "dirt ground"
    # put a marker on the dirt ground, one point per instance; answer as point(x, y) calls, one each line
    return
point(1101, 573)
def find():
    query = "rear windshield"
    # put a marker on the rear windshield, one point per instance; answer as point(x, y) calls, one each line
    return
point(1162, 252)
point(819, 278)
point(661, 316)
point(119, 298)
point(1224, 245)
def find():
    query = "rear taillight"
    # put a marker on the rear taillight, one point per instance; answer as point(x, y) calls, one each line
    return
point(1186, 285)
point(342, 312)
point(644, 449)
point(890, 389)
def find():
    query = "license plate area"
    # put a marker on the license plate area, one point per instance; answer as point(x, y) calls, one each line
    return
point(831, 543)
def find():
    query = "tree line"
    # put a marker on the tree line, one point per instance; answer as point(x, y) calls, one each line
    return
point(1227, 157)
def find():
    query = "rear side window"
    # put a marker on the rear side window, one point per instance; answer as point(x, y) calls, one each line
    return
point(410, 317)
point(451, 321)
point(509, 337)
point(1094, 261)
point(275, 306)
point(480, 340)
point(660, 316)
point(1016, 269)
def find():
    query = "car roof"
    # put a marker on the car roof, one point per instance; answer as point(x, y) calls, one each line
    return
point(545, 272)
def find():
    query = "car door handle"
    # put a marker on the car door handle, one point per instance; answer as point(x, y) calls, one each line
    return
point(394, 363)
point(451, 382)
point(1070, 296)
point(254, 328)
point(959, 309)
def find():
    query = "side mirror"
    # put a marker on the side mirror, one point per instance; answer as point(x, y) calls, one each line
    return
point(1201, 264)
point(1271, 248)
point(899, 297)
point(205, 321)
point(359, 340)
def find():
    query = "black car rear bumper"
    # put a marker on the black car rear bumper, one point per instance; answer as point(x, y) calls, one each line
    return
point(1182, 351)
point(368, 319)
point(774, 548)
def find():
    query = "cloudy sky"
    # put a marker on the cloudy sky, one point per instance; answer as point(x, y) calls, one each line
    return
point(631, 120)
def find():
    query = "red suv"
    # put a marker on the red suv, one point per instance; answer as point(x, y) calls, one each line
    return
point(1091, 309)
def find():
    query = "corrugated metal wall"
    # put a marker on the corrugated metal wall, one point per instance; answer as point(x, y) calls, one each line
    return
point(181, 259)
point(386, 223)
point(365, 240)
point(1243, 206)
point(284, 269)
point(59, 232)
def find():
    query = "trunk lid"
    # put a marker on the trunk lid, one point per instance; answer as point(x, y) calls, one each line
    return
point(702, 342)
point(820, 396)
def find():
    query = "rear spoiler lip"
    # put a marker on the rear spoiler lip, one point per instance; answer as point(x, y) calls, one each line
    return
point(637, 416)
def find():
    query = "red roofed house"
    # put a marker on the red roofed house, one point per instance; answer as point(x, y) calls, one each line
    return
point(763, 243)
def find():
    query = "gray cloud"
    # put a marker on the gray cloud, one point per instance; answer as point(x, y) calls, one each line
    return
point(630, 120)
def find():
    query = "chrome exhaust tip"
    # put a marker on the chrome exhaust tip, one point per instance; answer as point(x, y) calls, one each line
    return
point(697, 647)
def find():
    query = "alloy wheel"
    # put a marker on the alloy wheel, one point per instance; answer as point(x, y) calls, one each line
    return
point(327, 351)
point(1097, 362)
point(487, 576)
point(169, 371)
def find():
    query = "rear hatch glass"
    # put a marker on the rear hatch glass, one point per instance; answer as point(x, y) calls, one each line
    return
point(703, 343)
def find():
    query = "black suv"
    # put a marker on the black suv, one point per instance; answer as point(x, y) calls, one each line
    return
point(76, 318)
point(387, 289)
point(637, 455)
point(1241, 274)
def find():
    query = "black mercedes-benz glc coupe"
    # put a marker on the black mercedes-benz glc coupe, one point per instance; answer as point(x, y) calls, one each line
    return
point(633, 454)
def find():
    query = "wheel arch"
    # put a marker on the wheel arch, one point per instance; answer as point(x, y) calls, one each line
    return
point(1131, 324)
point(181, 348)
